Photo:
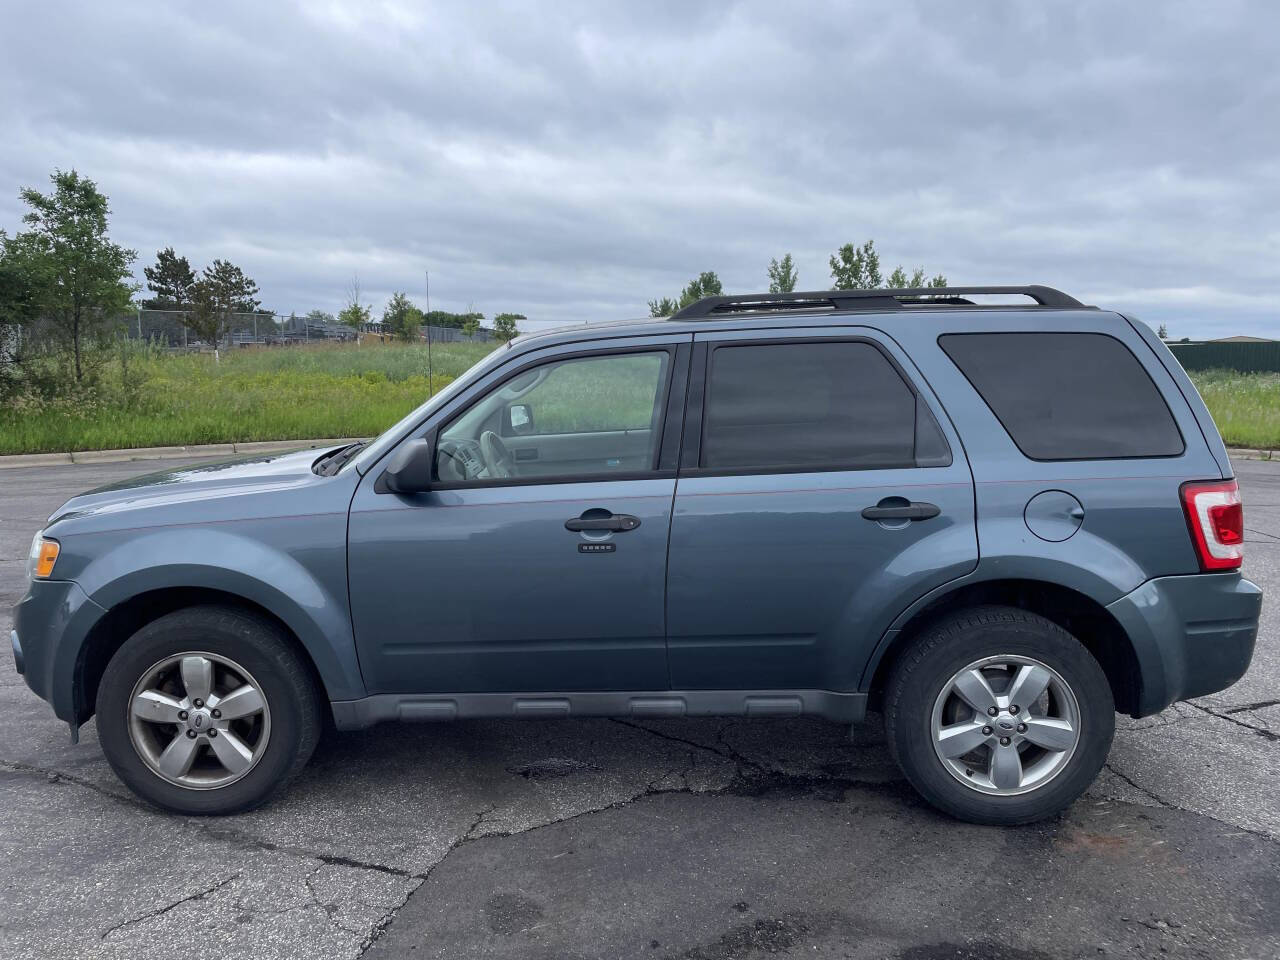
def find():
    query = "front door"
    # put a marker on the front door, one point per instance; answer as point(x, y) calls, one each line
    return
point(820, 493)
point(537, 562)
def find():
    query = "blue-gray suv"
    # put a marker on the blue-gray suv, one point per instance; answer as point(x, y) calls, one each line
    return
point(995, 524)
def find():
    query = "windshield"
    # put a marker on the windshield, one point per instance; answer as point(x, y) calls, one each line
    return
point(392, 435)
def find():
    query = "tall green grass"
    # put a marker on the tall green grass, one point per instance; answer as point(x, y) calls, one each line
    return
point(153, 398)
point(147, 397)
point(1245, 406)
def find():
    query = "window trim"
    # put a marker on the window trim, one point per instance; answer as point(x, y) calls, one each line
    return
point(677, 354)
point(1086, 333)
point(699, 391)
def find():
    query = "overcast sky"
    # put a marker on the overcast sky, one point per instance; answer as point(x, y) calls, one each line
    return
point(570, 161)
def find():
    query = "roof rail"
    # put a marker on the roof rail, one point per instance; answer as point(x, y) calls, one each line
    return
point(872, 300)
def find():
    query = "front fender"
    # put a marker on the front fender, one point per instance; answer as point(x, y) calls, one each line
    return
point(310, 600)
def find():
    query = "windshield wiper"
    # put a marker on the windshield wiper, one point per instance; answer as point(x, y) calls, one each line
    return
point(331, 464)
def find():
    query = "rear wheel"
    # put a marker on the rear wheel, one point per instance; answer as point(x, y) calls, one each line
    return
point(207, 710)
point(999, 716)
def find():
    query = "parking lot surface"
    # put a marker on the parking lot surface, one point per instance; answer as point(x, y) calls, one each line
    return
point(681, 838)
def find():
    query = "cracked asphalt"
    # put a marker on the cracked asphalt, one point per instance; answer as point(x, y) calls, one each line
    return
point(679, 838)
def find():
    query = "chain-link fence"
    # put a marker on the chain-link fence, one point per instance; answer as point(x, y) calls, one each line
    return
point(456, 335)
point(273, 329)
point(244, 329)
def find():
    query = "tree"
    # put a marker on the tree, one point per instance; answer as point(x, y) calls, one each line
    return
point(898, 280)
point(21, 282)
point(77, 279)
point(355, 314)
point(402, 318)
point(504, 326)
point(664, 307)
point(171, 280)
point(856, 268)
point(222, 291)
point(1163, 332)
point(782, 275)
point(471, 325)
point(705, 284)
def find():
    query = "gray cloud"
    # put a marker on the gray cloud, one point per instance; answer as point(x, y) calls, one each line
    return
point(572, 160)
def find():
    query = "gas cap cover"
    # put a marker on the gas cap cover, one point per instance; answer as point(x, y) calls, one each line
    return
point(1053, 515)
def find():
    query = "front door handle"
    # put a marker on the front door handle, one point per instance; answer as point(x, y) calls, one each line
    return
point(602, 520)
point(900, 508)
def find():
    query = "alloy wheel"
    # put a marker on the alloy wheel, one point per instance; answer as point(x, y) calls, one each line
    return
point(1005, 725)
point(199, 720)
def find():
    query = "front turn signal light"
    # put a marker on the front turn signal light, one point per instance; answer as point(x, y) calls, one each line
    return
point(46, 555)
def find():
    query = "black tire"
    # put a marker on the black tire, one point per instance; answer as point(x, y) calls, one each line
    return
point(251, 641)
point(947, 647)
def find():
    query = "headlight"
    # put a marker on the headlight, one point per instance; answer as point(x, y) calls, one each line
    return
point(43, 555)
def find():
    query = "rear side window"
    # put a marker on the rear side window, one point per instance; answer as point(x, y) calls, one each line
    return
point(822, 405)
point(1067, 396)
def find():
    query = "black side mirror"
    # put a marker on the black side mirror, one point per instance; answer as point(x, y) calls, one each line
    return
point(411, 467)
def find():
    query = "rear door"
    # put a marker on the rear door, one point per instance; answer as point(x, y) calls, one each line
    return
point(821, 491)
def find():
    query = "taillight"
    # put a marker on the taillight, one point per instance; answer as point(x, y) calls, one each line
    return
point(1216, 519)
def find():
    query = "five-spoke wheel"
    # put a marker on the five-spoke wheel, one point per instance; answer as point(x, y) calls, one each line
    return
point(1005, 724)
point(199, 720)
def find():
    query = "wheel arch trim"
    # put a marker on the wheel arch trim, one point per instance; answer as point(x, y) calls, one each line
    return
point(1136, 675)
point(279, 586)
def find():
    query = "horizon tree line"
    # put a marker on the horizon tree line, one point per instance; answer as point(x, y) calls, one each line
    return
point(852, 268)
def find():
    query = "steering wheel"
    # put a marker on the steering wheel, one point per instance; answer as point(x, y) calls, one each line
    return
point(497, 457)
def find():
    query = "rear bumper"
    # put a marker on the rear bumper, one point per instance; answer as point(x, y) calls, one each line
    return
point(1192, 635)
point(49, 624)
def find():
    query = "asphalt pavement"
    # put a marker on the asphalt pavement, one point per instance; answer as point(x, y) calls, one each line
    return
point(680, 838)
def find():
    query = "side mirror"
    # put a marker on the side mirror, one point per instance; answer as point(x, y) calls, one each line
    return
point(410, 468)
point(520, 419)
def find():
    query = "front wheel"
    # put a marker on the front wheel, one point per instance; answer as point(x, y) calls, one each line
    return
point(999, 716)
point(207, 710)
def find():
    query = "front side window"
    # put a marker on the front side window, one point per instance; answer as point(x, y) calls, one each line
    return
point(821, 405)
point(562, 420)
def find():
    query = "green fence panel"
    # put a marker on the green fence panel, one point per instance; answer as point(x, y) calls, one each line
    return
point(1242, 357)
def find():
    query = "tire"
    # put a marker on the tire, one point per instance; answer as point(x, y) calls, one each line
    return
point(923, 706)
point(276, 725)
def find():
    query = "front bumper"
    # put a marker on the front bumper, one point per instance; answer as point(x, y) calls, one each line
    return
point(1193, 635)
point(49, 627)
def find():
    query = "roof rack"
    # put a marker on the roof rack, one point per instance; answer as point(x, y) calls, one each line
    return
point(871, 300)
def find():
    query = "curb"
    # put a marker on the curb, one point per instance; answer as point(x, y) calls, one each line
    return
point(1246, 453)
point(167, 453)
point(284, 446)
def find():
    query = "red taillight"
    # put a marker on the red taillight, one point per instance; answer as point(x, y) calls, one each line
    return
point(1216, 519)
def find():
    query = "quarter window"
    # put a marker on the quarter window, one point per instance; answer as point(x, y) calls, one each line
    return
point(1067, 396)
point(821, 404)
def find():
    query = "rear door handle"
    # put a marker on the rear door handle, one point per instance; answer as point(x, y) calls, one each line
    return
point(899, 508)
point(600, 520)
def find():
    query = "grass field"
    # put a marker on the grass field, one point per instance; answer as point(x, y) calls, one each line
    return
point(1245, 406)
point(154, 399)
point(270, 394)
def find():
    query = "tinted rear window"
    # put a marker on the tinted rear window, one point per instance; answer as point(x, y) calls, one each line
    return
point(1067, 396)
point(819, 404)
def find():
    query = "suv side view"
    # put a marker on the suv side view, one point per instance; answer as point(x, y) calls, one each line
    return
point(996, 525)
